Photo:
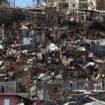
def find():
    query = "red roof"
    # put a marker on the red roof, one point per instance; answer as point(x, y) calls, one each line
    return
point(10, 94)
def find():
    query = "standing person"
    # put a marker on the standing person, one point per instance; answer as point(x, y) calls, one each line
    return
point(71, 84)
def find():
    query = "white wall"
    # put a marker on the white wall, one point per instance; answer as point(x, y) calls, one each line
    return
point(92, 6)
point(71, 2)
point(98, 85)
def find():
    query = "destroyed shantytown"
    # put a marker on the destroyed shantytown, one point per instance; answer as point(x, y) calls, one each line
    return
point(52, 52)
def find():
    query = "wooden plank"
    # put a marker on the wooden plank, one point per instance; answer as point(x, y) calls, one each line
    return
point(94, 99)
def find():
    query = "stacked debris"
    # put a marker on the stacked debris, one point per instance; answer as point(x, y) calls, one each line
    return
point(51, 61)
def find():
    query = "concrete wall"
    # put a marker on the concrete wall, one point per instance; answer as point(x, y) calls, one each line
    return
point(73, 4)
point(98, 47)
point(8, 87)
point(4, 3)
point(78, 4)
point(98, 86)
point(91, 4)
point(77, 85)
point(100, 50)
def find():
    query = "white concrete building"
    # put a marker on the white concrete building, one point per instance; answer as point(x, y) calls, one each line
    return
point(87, 4)
point(66, 4)
point(73, 4)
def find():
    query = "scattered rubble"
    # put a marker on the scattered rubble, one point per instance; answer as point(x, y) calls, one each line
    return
point(55, 58)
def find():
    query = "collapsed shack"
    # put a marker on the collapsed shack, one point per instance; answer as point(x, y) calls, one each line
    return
point(35, 14)
point(8, 16)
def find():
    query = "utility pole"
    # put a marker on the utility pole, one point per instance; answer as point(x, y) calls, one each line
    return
point(14, 3)
point(33, 2)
